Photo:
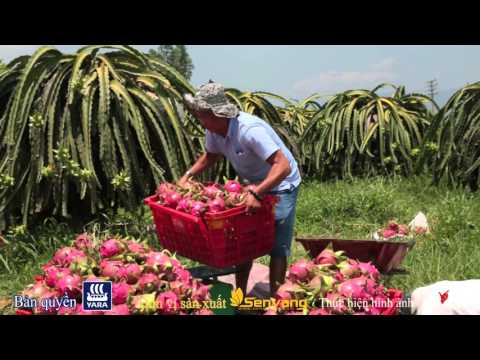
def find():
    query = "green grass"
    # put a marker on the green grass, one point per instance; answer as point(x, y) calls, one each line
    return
point(353, 209)
point(349, 209)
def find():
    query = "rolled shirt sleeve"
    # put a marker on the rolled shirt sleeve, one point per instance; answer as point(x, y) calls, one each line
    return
point(260, 142)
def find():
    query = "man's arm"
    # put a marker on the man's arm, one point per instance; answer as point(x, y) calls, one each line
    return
point(203, 163)
point(261, 143)
point(279, 171)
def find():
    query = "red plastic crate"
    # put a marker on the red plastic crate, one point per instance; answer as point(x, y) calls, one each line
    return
point(220, 240)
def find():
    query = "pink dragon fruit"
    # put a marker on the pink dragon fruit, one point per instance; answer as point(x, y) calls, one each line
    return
point(233, 186)
point(403, 230)
point(339, 276)
point(319, 311)
point(388, 233)
point(110, 248)
point(175, 263)
point(368, 284)
point(66, 311)
point(148, 283)
point(349, 268)
point(337, 303)
point(379, 302)
point(270, 312)
point(70, 285)
point(178, 287)
point(392, 225)
point(121, 309)
point(46, 303)
point(283, 295)
point(184, 205)
point(144, 304)
point(81, 266)
point(136, 248)
point(369, 270)
point(216, 205)
point(132, 273)
point(61, 256)
point(197, 208)
point(183, 275)
point(287, 291)
point(234, 200)
point(379, 290)
point(171, 199)
point(164, 189)
point(79, 311)
point(112, 269)
point(168, 302)
point(300, 270)
point(23, 312)
point(120, 292)
point(65, 256)
point(168, 276)
point(211, 191)
point(37, 290)
point(203, 311)
point(372, 311)
point(83, 242)
point(327, 283)
point(328, 257)
point(394, 294)
point(53, 273)
point(158, 261)
point(200, 292)
point(352, 289)
point(289, 313)
point(315, 282)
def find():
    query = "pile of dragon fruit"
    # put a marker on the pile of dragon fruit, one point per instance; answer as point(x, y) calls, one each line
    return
point(144, 282)
point(333, 284)
point(396, 231)
point(197, 198)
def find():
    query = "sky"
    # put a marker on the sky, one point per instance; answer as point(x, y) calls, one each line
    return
point(297, 71)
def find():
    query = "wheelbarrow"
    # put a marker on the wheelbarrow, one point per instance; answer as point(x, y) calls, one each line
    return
point(386, 255)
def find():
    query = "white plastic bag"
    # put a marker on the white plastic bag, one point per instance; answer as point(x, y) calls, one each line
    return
point(447, 298)
point(419, 223)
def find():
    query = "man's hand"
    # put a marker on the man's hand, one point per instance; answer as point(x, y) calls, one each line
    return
point(183, 182)
point(252, 204)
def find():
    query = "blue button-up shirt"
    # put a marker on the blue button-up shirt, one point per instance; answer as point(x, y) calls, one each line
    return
point(249, 142)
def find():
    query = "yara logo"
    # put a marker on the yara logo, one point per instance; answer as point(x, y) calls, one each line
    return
point(97, 295)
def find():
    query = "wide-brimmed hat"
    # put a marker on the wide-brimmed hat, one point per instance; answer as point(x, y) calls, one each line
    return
point(212, 97)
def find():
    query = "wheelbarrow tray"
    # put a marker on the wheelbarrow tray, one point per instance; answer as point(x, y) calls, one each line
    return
point(386, 255)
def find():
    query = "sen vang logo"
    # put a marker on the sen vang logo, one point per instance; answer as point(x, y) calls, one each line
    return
point(237, 297)
point(97, 295)
point(238, 300)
